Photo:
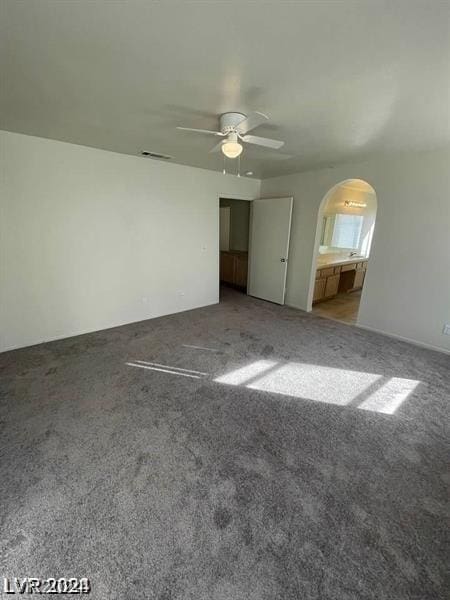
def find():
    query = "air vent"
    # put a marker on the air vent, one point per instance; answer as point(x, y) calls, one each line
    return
point(155, 155)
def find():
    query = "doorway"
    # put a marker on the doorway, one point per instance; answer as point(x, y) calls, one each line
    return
point(346, 223)
point(254, 246)
point(234, 224)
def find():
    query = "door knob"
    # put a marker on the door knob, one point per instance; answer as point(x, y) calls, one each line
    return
point(282, 260)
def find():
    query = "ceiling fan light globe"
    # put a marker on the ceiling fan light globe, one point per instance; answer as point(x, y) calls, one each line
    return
point(232, 149)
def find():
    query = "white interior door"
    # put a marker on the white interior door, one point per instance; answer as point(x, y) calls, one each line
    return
point(269, 244)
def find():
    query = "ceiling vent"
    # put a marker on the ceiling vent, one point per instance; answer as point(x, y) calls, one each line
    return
point(155, 155)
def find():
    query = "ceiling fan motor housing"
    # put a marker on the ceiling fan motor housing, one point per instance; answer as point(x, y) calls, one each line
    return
point(229, 121)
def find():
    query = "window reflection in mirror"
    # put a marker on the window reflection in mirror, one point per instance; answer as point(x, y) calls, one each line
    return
point(342, 231)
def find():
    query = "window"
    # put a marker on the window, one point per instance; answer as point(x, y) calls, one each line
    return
point(347, 231)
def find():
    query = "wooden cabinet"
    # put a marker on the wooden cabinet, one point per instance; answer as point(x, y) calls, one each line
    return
point(333, 280)
point(240, 272)
point(351, 281)
point(327, 272)
point(359, 279)
point(349, 267)
point(327, 283)
point(331, 287)
point(319, 290)
point(226, 267)
point(234, 268)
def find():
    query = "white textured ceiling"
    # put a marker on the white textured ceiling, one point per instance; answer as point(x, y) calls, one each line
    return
point(339, 79)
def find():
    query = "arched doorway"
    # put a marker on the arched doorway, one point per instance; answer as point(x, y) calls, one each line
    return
point(345, 227)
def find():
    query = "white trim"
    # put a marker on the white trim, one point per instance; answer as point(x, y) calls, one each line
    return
point(316, 245)
point(374, 330)
point(88, 331)
point(403, 339)
point(236, 197)
point(233, 197)
point(288, 249)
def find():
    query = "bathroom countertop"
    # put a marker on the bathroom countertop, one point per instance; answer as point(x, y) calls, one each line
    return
point(324, 261)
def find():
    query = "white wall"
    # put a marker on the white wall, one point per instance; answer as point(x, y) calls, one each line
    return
point(93, 239)
point(407, 288)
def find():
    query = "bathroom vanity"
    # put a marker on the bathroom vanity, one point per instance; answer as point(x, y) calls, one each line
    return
point(233, 268)
point(337, 275)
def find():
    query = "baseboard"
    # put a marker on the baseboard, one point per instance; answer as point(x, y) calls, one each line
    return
point(380, 331)
point(87, 331)
point(404, 339)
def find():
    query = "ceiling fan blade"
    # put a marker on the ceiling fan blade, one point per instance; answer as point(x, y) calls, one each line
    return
point(207, 131)
point(253, 120)
point(260, 141)
point(217, 147)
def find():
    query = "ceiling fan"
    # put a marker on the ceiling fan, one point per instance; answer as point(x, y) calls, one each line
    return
point(233, 127)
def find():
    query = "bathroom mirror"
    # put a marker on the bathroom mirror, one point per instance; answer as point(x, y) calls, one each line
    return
point(342, 231)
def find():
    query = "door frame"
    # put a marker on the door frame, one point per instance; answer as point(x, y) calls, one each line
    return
point(228, 196)
point(316, 245)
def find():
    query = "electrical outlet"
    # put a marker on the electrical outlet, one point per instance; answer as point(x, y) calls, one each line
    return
point(446, 330)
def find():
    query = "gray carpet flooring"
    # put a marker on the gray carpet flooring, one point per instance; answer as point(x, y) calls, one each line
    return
point(243, 451)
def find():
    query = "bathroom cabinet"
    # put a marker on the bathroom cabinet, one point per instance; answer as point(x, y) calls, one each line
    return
point(336, 277)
